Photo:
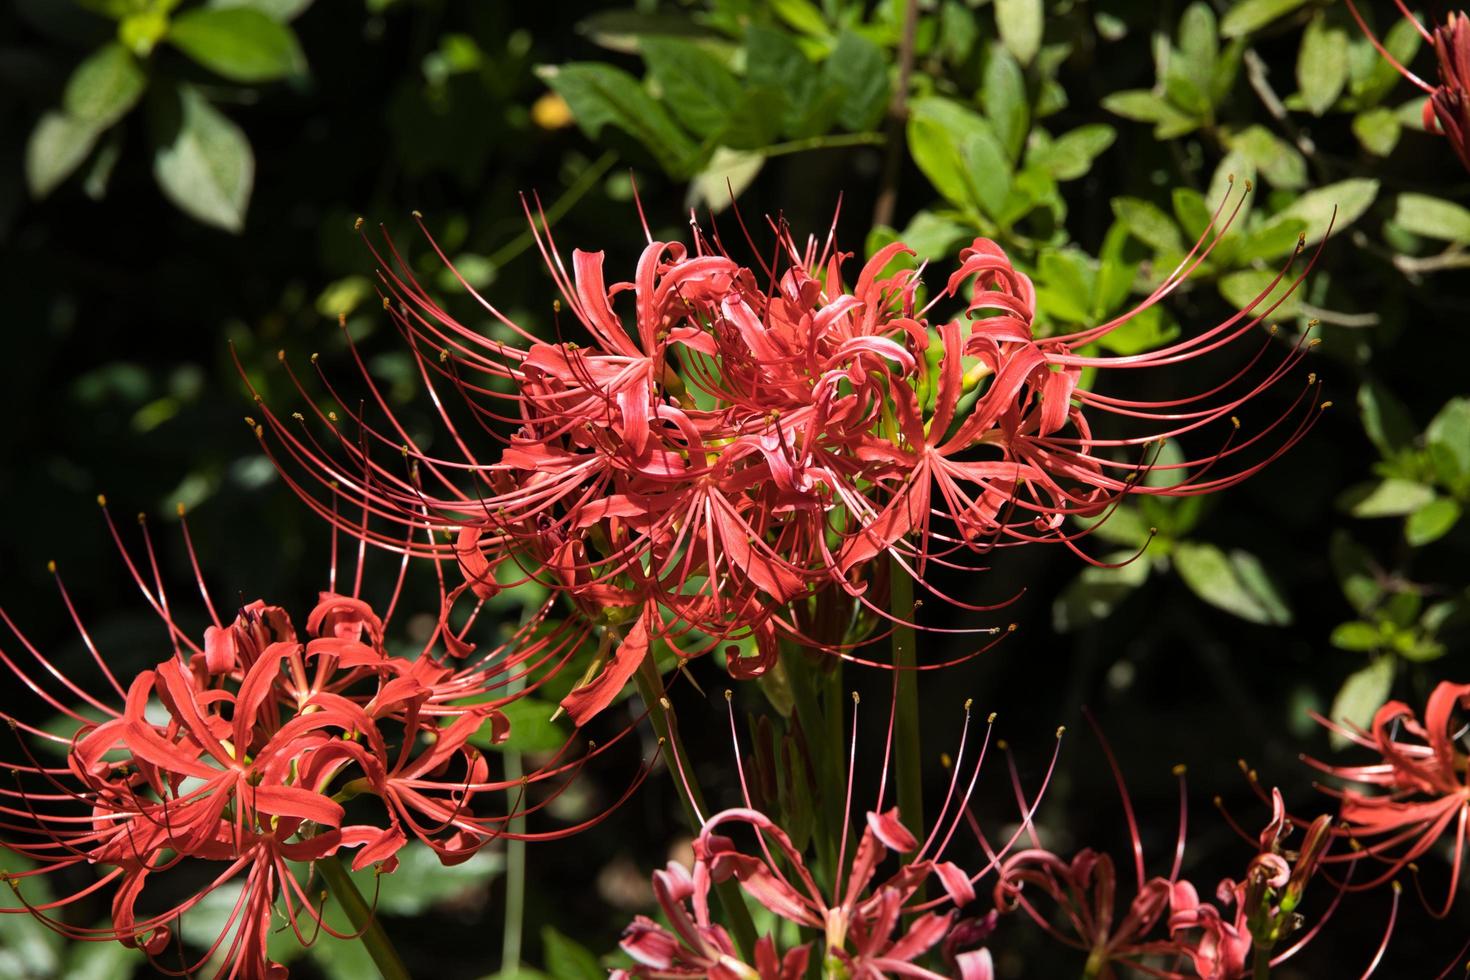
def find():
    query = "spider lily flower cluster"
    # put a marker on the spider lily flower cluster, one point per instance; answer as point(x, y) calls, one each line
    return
point(724, 448)
point(869, 925)
point(240, 759)
point(1447, 106)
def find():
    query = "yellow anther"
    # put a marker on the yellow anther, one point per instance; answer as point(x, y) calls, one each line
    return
point(342, 320)
point(331, 416)
point(991, 719)
point(314, 356)
point(1326, 405)
point(664, 703)
point(357, 225)
point(1235, 421)
point(945, 760)
point(250, 421)
point(1249, 186)
point(1180, 769)
point(281, 356)
point(298, 416)
point(729, 694)
point(102, 500)
point(968, 702)
point(387, 302)
point(1061, 729)
point(418, 214)
point(51, 567)
point(180, 505)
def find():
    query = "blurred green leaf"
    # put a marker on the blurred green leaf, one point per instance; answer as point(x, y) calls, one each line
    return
point(531, 728)
point(774, 60)
point(1385, 419)
point(1246, 16)
point(1236, 583)
point(239, 43)
point(1377, 130)
point(1353, 567)
point(203, 162)
point(1096, 592)
point(699, 91)
point(803, 15)
point(1362, 694)
point(1432, 521)
point(56, 148)
point(959, 153)
point(1003, 94)
point(1433, 217)
point(1322, 64)
point(726, 176)
point(567, 959)
point(1244, 290)
point(105, 86)
point(1020, 23)
point(1274, 158)
point(1145, 106)
point(1357, 636)
point(859, 71)
point(1386, 498)
point(624, 30)
point(1070, 155)
point(1371, 75)
point(1149, 224)
point(140, 32)
point(1346, 199)
point(281, 10)
point(602, 95)
point(1450, 430)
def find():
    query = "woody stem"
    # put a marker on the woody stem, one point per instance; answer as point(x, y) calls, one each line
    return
point(908, 760)
point(363, 918)
point(666, 726)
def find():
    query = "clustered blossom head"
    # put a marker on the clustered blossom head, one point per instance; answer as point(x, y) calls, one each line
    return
point(739, 445)
point(870, 925)
point(1167, 930)
point(1424, 779)
point(242, 759)
point(1447, 106)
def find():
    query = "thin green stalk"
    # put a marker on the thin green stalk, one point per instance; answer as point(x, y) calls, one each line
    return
point(651, 688)
point(363, 918)
point(515, 859)
point(826, 756)
point(1261, 967)
point(821, 143)
point(585, 181)
point(907, 758)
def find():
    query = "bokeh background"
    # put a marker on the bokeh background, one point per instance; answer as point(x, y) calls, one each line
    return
point(190, 202)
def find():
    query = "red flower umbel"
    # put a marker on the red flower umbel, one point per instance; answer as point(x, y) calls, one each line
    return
point(245, 758)
point(743, 442)
point(1448, 104)
point(1424, 778)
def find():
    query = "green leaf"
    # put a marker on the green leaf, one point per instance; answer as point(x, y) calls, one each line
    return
point(1361, 695)
point(422, 881)
point(1385, 419)
point(1236, 583)
point(140, 32)
point(1449, 432)
point(803, 15)
point(699, 91)
point(56, 148)
point(1096, 592)
point(1249, 15)
point(601, 95)
point(531, 728)
point(1003, 93)
point(1276, 160)
point(774, 60)
point(203, 163)
point(1070, 155)
point(1244, 289)
point(1374, 76)
point(1145, 106)
point(1353, 567)
point(238, 43)
point(1433, 217)
point(105, 86)
point(1386, 498)
point(1377, 130)
point(1322, 64)
point(726, 176)
point(959, 153)
point(859, 71)
point(281, 10)
point(568, 960)
point(1348, 198)
point(1149, 224)
point(1432, 521)
point(1357, 636)
point(1020, 23)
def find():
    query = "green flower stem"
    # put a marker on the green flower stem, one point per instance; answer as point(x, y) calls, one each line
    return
point(665, 725)
point(826, 756)
point(585, 181)
point(515, 859)
point(363, 918)
point(907, 758)
point(821, 143)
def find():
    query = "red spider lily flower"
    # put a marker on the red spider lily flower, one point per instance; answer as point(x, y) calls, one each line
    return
point(245, 758)
point(1447, 107)
point(1424, 778)
point(710, 466)
point(870, 926)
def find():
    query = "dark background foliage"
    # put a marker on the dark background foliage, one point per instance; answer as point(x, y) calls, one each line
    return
point(130, 291)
